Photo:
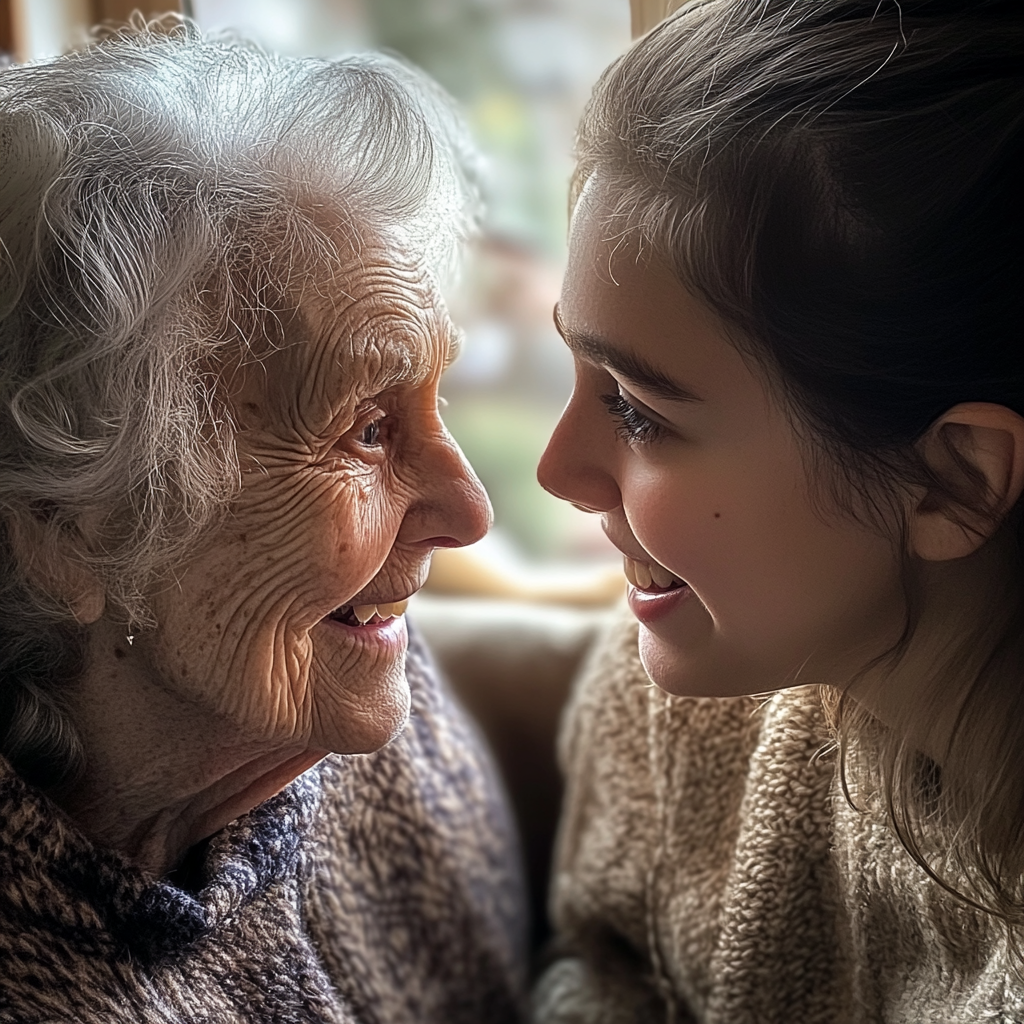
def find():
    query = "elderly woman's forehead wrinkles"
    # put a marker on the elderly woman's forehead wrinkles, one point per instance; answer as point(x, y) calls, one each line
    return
point(399, 278)
point(392, 332)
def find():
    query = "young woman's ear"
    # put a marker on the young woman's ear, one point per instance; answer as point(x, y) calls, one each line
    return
point(51, 563)
point(989, 439)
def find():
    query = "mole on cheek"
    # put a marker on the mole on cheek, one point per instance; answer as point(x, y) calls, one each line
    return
point(718, 515)
point(118, 653)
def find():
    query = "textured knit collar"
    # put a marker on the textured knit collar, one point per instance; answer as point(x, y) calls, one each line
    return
point(95, 889)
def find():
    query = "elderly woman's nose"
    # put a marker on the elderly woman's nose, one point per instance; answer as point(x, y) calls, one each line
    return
point(453, 508)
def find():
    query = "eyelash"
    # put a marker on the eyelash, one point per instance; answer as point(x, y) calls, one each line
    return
point(633, 426)
point(369, 433)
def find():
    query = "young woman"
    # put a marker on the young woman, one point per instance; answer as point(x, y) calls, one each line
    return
point(795, 300)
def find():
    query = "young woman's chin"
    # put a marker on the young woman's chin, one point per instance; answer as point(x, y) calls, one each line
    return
point(673, 668)
point(693, 667)
point(676, 639)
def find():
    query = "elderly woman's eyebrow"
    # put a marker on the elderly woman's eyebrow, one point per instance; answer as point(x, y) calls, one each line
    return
point(634, 368)
point(398, 365)
point(386, 351)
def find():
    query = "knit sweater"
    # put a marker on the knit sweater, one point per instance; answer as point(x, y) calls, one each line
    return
point(378, 888)
point(710, 869)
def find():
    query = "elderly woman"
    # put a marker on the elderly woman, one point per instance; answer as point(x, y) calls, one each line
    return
point(222, 475)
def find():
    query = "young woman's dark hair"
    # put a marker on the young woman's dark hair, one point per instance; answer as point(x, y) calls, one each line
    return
point(843, 183)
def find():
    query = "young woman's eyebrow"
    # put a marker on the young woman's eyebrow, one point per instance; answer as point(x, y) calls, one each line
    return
point(634, 368)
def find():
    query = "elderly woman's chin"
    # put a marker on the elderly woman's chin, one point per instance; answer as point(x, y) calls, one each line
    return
point(360, 707)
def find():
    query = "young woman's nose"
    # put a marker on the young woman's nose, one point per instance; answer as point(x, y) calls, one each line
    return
point(572, 466)
point(452, 508)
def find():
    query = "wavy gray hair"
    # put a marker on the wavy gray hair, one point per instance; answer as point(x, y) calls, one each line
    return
point(158, 200)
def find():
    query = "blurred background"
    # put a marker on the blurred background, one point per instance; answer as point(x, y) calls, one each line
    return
point(522, 71)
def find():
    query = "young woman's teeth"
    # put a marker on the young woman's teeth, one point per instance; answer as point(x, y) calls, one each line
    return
point(649, 575)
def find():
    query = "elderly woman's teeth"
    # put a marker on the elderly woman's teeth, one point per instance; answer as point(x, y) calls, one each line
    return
point(649, 575)
point(365, 612)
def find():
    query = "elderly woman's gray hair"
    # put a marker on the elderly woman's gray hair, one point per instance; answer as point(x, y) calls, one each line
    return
point(152, 223)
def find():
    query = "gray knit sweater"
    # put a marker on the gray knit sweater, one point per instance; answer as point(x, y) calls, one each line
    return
point(709, 869)
point(382, 888)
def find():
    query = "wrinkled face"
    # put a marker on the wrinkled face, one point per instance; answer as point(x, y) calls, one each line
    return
point(349, 481)
point(740, 582)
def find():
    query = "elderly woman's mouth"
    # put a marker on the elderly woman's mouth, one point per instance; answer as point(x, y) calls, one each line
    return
point(368, 614)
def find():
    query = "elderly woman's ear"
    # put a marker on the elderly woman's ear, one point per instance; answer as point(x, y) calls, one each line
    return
point(52, 561)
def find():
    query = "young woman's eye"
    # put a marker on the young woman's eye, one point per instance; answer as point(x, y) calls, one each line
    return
point(633, 426)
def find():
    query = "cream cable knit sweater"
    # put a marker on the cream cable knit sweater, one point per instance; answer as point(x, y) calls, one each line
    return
point(709, 869)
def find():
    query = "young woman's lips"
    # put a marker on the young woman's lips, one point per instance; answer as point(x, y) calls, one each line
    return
point(648, 605)
point(654, 591)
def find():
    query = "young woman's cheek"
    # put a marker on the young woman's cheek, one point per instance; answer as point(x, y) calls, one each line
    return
point(679, 520)
point(710, 528)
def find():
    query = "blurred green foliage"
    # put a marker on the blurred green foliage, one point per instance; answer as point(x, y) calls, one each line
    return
point(456, 41)
point(452, 39)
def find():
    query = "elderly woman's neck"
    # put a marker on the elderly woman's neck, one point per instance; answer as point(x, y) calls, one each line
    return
point(157, 779)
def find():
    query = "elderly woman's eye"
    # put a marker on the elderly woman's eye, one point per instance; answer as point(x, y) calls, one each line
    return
point(370, 434)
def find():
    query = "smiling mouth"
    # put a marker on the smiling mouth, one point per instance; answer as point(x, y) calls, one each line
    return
point(649, 576)
point(368, 614)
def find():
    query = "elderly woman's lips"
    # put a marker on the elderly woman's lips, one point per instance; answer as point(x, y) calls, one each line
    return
point(368, 614)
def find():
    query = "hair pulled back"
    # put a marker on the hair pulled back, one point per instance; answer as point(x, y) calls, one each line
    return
point(843, 183)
